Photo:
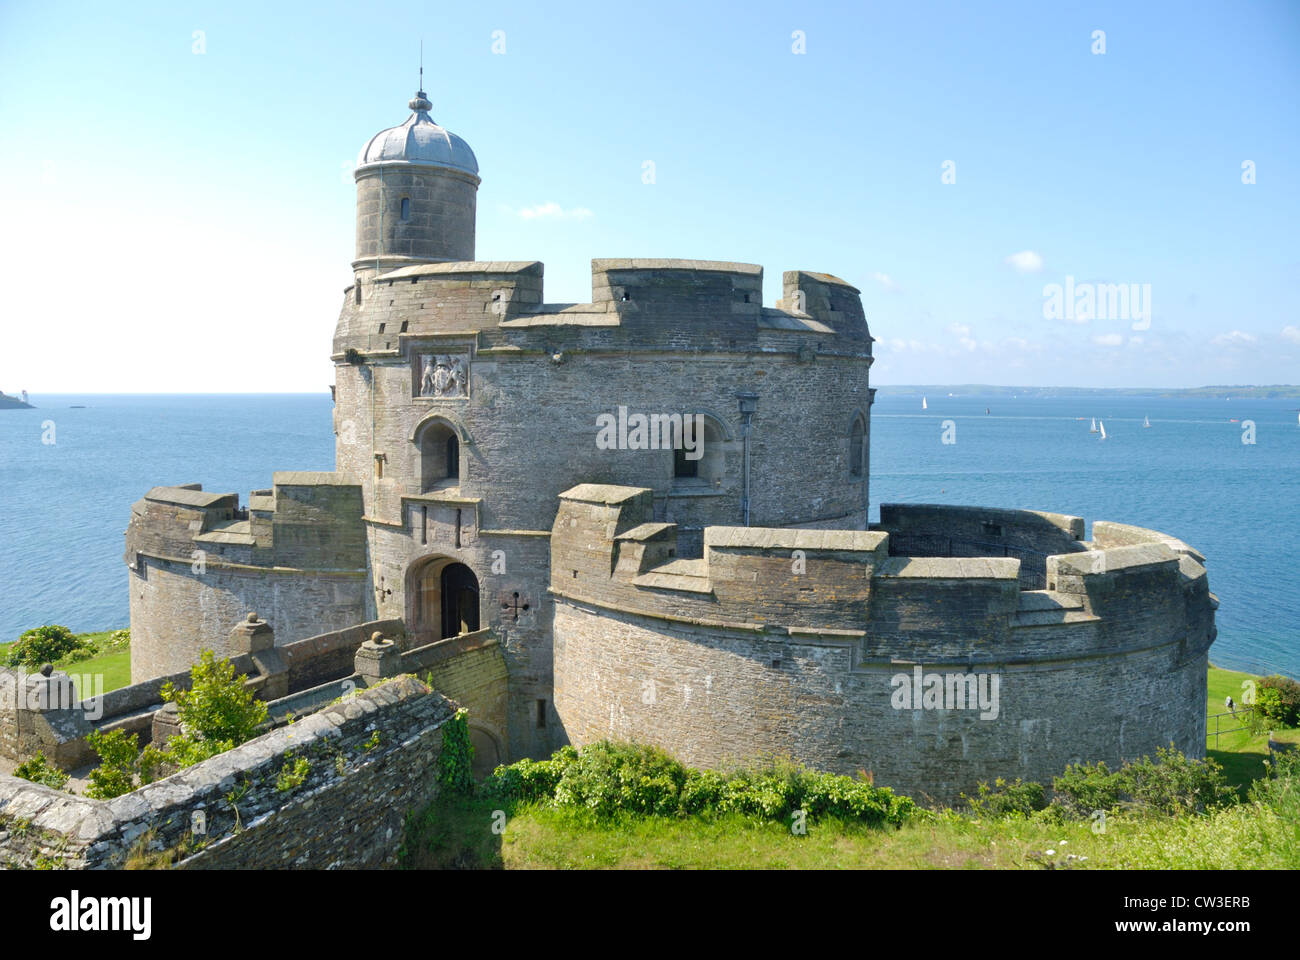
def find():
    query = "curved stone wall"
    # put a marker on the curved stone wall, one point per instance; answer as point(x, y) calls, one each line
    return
point(1109, 665)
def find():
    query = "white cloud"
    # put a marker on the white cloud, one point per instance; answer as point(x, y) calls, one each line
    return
point(1109, 340)
point(1291, 333)
point(1026, 261)
point(886, 281)
point(553, 209)
point(962, 332)
point(1233, 339)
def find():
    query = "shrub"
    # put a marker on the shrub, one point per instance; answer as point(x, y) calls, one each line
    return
point(1277, 701)
point(528, 781)
point(833, 795)
point(1085, 787)
point(47, 644)
point(701, 792)
point(457, 756)
point(217, 706)
point(115, 774)
point(1174, 784)
point(217, 713)
point(39, 770)
point(1002, 799)
point(609, 777)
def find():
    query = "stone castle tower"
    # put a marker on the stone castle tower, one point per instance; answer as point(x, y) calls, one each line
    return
point(465, 404)
point(528, 472)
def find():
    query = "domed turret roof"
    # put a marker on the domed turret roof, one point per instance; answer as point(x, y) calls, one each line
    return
point(419, 141)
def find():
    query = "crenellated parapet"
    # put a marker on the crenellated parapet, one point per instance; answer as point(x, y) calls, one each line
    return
point(197, 561)
point(659, 304)
point(781, 640)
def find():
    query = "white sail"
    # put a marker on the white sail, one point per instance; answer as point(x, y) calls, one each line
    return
point(1093, 428)
point(924, 405)
point(1146, 421)
point(1103, 429)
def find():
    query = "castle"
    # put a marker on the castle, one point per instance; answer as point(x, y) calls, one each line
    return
point(655, 505)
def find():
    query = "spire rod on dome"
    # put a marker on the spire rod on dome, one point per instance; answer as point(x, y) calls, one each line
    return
point(420, 102)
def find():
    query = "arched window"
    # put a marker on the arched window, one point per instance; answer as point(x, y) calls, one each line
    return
point(439, 456)
point(683, 466)
point(705, 463)
point(406, 208)
point(856, 437)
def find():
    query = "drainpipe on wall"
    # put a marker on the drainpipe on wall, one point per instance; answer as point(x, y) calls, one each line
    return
point(748, 404)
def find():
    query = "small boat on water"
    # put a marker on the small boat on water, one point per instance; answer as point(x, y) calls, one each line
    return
point(924, 405)
point(1103, 430)
point(1093, 428)
point(1146, 421)
point(986, 410)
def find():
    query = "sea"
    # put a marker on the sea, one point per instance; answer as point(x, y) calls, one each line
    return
point(1221, 474)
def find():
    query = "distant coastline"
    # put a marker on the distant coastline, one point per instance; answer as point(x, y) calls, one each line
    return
point(1275, 391)
point(13, 403)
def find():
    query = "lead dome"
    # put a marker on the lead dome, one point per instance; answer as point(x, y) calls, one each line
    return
point(419, 141)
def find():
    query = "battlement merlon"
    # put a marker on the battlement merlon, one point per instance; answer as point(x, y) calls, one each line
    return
point(467, 298)
point(305, 521)
point(608, 550)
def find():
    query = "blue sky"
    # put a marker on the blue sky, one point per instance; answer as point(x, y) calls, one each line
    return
point(183, 221)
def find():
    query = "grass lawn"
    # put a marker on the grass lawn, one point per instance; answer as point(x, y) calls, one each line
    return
point(1241, 754)
point(114, 664)
point(458, 833)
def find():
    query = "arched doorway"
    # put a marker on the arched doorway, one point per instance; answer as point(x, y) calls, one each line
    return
point(487, 755)
point(459, 600)
point(444, 600)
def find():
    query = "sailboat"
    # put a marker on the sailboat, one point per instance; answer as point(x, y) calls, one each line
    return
point(1146, 421)
point(924, 405)
point(1093, 429)
point(1103, 430)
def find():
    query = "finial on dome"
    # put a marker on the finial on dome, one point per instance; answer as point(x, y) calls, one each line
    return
point(421, 102)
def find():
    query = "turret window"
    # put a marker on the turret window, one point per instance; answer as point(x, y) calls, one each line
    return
point(406, 208)
point(856, 437)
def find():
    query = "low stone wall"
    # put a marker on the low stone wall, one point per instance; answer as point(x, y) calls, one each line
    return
point(371, 760)
point(923, 529)
point(327, 656)
point(471, 670)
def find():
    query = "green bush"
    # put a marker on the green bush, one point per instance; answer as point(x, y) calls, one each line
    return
point(1174, 784)
point(529, 781)
point(39, 770)
point(1277, 701)
point(1019, 797)
point(47, 644)
point(455, 772)
point(609, 777)
point(217, 706)
point(701, 792)
point(1085, 787)
point(217, 713)
point(115, 775)
point(832, 795)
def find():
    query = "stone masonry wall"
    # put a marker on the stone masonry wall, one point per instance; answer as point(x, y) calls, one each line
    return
point(1109, 664)
point(371, 760)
